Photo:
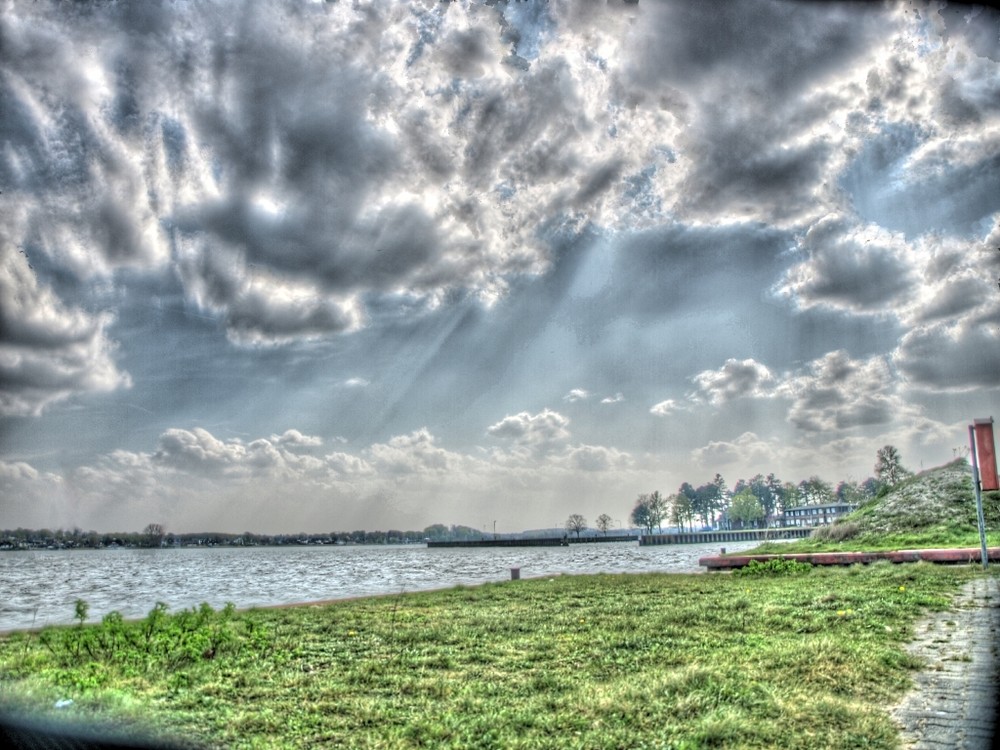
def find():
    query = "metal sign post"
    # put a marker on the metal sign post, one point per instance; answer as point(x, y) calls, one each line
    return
point(983, 430)
point(987, 454)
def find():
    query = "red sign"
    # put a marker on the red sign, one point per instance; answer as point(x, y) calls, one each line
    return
point(986, 452)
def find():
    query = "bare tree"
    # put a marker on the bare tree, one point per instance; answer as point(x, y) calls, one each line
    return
point(154, 534)
point(576, 523)
point(603, 523)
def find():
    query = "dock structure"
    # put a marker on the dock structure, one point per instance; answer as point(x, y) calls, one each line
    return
point(539, 541)
point(953, 556)
point(742, 535)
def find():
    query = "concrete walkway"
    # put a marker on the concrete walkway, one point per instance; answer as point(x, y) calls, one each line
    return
point(954, 703)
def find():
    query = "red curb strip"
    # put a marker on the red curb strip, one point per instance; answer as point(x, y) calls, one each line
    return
point(963, 555)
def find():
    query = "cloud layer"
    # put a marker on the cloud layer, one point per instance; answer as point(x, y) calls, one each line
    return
point(413, 231)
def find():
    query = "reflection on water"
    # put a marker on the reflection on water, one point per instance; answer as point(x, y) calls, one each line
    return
point(39, 587)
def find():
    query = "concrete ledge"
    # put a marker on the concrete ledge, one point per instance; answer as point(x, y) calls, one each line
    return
point(962, 555)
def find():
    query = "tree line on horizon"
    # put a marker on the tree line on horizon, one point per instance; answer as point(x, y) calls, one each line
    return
point(155, 535)
point(748, 504)
point(751, 503)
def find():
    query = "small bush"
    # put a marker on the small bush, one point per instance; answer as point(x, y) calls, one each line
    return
point(779, 566)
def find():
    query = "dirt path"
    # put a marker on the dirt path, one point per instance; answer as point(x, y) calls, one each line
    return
point(955, 700)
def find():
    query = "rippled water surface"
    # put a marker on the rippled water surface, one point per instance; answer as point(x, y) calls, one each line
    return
point(39, 587)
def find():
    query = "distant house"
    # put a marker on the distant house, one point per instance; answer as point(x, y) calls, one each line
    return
point(816, 515)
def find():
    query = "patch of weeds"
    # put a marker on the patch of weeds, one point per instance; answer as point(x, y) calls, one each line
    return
point(775, 567)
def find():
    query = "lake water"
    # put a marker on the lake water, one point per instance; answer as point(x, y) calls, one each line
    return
point(40, 587)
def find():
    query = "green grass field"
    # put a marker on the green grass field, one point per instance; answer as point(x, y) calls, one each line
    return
point(795, 657)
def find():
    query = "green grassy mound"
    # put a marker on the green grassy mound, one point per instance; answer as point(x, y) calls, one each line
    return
point(935, 508)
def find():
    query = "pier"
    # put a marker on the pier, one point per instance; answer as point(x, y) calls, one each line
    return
point(742, 535)
point(541, 541)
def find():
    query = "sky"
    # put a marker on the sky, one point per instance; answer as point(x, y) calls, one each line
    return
point(315, 266)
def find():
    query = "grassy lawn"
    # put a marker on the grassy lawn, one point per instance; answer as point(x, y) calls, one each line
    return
point(796, 658)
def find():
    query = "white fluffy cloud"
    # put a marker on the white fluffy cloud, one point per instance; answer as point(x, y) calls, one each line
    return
point(414, 454)
point(735, 379)
point(17, 470)
point(748, 449)
point(539, 431)
point(666, 408)
point(598, 458)
point(832, 393)
point(295, 437)
point(190, 466)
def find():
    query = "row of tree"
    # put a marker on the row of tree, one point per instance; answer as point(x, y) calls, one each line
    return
point(155, 535)
point(755, 502)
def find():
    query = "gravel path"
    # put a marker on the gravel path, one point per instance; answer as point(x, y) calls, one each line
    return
point(954, 703)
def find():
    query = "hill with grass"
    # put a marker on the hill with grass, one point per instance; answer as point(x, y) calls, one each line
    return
point(935, 508)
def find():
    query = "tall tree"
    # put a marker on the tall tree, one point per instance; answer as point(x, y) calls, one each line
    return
point(705, 503)
point(681, 511)
point(603, 523)
point(849, 492)
point(658, 509)
point(789, 496)
point(889, 466)
point(869, 488)
point(745, 509)
point(761, 490)
point(575, 524)
point(641, 516)
point(777, 489)
point(814, 491)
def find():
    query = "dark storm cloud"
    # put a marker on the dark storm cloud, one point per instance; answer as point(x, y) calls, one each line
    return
point(742, 167)
point(977, 24)
point(845, 270)
point(837, 392)
point(957, 358)
point(787, 45)
point(48, 351)
point(464, 52)
point(746, 131)
point(81, 190)
point(974, 99)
